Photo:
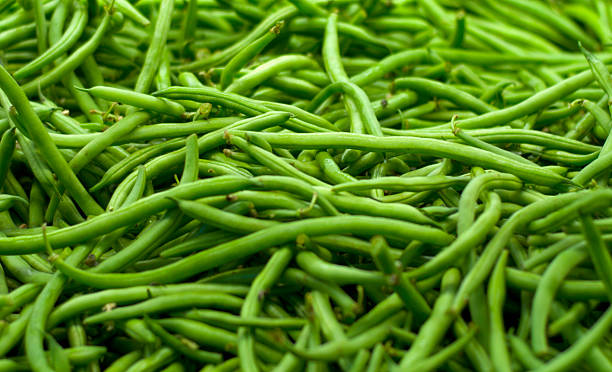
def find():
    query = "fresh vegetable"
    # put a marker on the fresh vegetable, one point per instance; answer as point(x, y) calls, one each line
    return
point(318, 185)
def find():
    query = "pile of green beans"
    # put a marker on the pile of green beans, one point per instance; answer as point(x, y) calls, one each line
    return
point(305, 185)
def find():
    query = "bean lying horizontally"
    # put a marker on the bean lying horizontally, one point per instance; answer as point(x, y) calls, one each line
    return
point(305, 185)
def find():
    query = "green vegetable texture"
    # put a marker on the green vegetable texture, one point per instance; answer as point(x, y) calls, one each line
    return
point(305, 185)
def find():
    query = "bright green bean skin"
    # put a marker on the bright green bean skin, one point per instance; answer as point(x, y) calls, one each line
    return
point(243, 57)
point(83, 303)
point(7, 148)
point(72, 34)
point(497, 293)
point(546, 289)
point(106, 223)
point(252, 305)
point(156, 48)
point(284, 13)
point(246, 246)
point(496, 244)
point(201, 356)
point(411, 145)
point(70, 63)
point(168, 302)
point(205, 143)
point(41, 137)
point(437, 324)
point(537, 101)
point(312, 185)
point(139, 100)
point(41, 309)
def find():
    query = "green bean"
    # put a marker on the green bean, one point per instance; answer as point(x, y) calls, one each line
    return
point(403, 183)
point(358, 106)
point(470, 238)
point(253, 302)
point(41, 309)
point(594, 358)
point(156, 48)
point(11, 335)
point(435, 361)
point(131, 12)
point(200, 242)
point(523, 353)
point(564, 25)
point(109, 221)
point(357, 33)
point(166, 303)
point(572, 210)
point(405, 290)
point(201, 356)
point(94, 300)
point(174, 367)
point(246, 10)
point(437, 324)
point(357, 100)
point(70, 63)
point(216, 338)
point(21, 270)
point(334, 349)
point(270, 160)
point(284, 13)
point(310, 8)
point(267, 70)
point(19, 297)
point(301, 188)
point(8, 37)
point(138, 330)
point(289, 361)
point(316, 267)
point(573, 289)
point(214, 316)
point(486, 260)
point(127, 164)
point(158, 359)
point(148, 132)
point(497, 293)
point(246, 106)
point(70, 36)
point(244, 56)
point(444, 91)
point(424, 146)
point(157, 232)
point(601, 258)
point(250, 244)
point(124, 362)
point(472, 141)
point(83, 100)
point(574, 354)
point(348, 306)
point(529, 106)
point(545, 292)
point(136, 99)
point(41, 137)
point(572, 317)
point(592, 170)
point(601, 117)
point(335, 224)
point(7, 148)
point(206, 143)
point(505, 135)
point(219, 23)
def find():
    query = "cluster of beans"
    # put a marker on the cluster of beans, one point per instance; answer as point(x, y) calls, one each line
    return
point(318, 185)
